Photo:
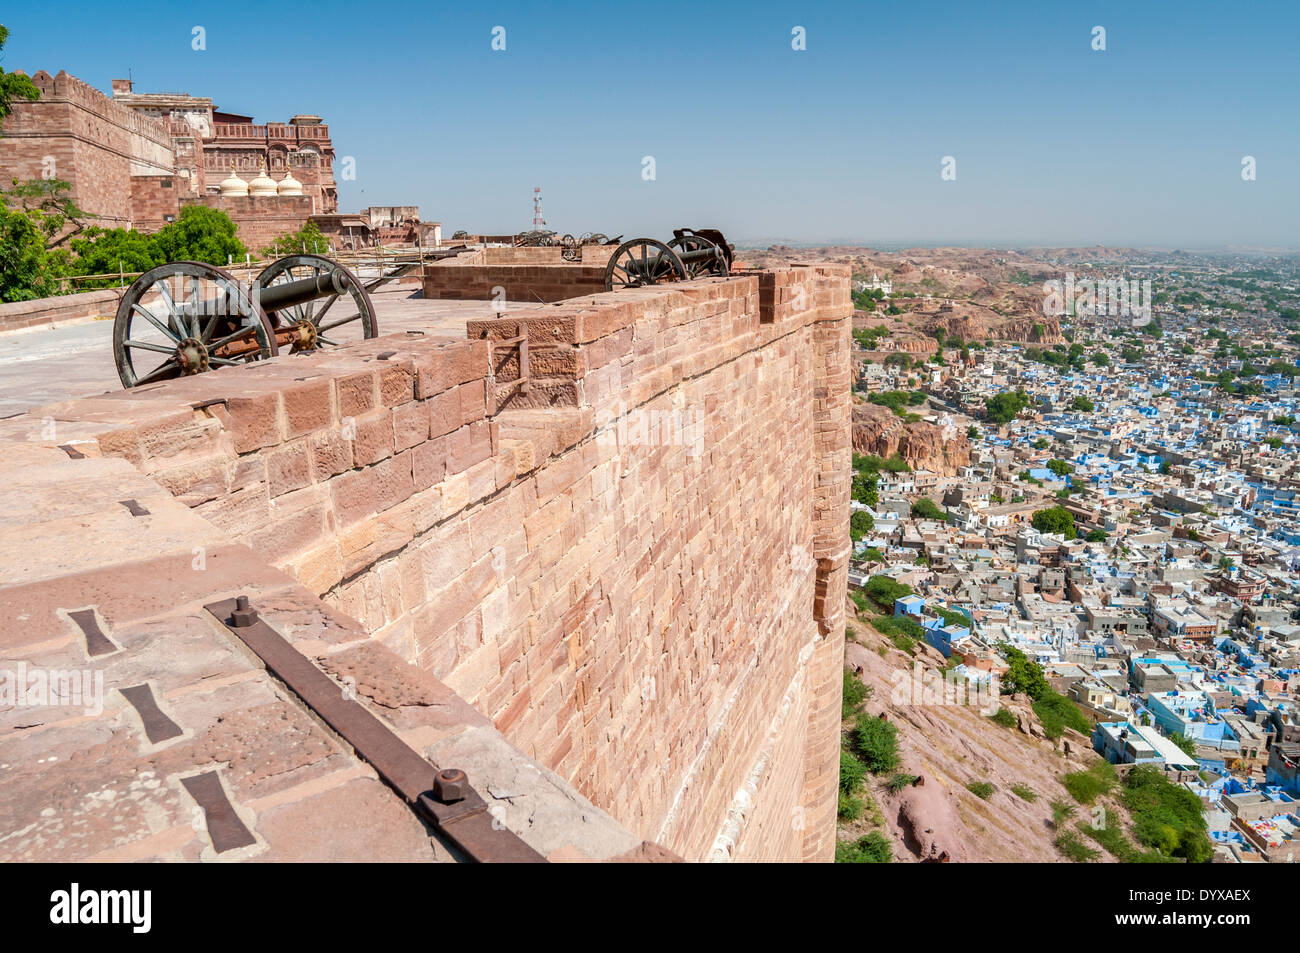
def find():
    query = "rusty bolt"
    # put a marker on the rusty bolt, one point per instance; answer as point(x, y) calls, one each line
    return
point(244, 615)
point(450, 784)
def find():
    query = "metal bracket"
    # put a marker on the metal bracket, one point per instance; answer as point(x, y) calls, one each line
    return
point(442, 797)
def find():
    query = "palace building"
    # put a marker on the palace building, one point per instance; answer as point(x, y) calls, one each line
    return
point(135, 159)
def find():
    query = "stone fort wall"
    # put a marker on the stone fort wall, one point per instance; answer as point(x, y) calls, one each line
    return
point(126, 169)
point(634, 562)
point(91, 141)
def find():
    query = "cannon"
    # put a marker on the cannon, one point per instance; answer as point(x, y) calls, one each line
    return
point(189, 317)
point(571, 248)
point(537, 238)
point(691, 253)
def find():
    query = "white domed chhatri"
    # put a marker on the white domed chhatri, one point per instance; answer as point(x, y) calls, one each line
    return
point(234, 185)
point(263, 184)
point(289, 185)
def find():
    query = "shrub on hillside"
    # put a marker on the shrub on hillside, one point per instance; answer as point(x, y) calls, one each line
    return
point(1056, 712)
point(852, 771)
point(875, 742)
point(855, 693)
point(1166, 816)
point(1091, 783)
point(874, 848)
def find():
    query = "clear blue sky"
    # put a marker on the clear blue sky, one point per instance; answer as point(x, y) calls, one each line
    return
point(1054, 143)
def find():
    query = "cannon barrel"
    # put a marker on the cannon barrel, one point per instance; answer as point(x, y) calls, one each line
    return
point(288, 294)
point(701, 254)
point(652, 264)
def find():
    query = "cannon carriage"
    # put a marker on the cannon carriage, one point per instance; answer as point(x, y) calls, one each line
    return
point(690, 253)
point(190, 317)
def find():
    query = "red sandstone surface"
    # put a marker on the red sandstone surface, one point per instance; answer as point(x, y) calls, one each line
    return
point(625, 633)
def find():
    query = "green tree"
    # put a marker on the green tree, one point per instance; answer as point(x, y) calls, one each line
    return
point(33, 222)
point(13, 86)
point(200, 234)
point(927, 510)
point(860, 524)
point(1096, 536)
point(103, 251)
point(308, 240)
point(25, 271)
point(1005, 407)
point(1056, 519)
point(1059, 467)
point(1082, 404)
point(1022, 675)
point(48, 203)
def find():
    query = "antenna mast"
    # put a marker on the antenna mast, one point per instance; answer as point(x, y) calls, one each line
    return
point(538, 221)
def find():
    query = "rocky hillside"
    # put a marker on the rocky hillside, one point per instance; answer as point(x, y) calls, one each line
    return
point(878, 430)
point(949, 747)
point(973, 293)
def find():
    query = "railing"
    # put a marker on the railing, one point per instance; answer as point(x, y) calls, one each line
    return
point(248, 130)
point(393, 257)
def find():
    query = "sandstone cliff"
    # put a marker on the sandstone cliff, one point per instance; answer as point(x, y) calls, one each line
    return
point(878, 430)
point(977, 324)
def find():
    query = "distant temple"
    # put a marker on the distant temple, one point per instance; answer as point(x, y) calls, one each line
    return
point(876, 284)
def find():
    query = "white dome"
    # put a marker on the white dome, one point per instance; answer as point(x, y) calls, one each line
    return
point(290, 186)
point(263, 184)
point(234, 185)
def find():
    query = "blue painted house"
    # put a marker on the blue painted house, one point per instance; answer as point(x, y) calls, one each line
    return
point(910, 606)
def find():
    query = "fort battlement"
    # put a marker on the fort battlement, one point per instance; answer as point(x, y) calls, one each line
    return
point(626, 549)
point(136, 159)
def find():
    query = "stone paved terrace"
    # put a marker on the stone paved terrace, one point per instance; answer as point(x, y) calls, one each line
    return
point(45, 364)
point(630, 642)
point(87, 784)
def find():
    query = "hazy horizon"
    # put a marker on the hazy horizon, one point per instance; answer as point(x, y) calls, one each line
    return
point(894, 245)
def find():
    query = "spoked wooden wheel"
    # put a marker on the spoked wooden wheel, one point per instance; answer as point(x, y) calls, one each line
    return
point(343, 315)
point(643, 261)
point(715, 264)
point(186, 318)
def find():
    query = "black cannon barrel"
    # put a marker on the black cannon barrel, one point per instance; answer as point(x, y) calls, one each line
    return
point(652, 263)
point(291, 293)
point(701, 254)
